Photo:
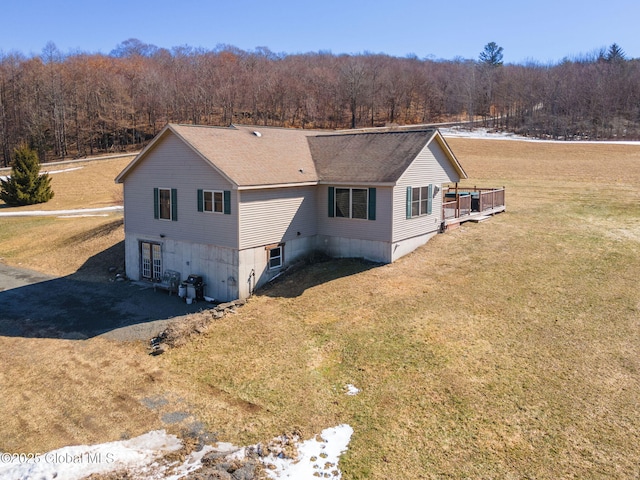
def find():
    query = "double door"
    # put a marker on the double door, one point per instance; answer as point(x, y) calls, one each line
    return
point(151, 265)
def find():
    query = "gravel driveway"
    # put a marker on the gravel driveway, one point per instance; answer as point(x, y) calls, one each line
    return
point(39, 306)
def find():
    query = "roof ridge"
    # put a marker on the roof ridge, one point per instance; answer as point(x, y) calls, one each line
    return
point(379, 132)
point(221, 127)
point(275, 127)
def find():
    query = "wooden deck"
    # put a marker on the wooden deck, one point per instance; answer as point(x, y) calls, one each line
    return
point(475, 204)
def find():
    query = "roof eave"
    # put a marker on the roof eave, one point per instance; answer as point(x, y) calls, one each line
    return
point(358, 182)
point(152, 144)
point(454, 160)
point(277, 185)
point(143, 153)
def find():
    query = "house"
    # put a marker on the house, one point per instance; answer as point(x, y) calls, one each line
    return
point(237, 204)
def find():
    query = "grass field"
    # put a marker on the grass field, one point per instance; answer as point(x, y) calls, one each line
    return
point(60, 246)
point(506, 349)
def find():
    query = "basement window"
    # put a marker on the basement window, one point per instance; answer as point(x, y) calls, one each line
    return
point(275, 256)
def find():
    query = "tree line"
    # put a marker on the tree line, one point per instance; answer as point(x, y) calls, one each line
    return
point(80, 104)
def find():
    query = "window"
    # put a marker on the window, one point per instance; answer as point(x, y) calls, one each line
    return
point(216, 201)
point(275, 255)
point(352, 203)
point(419, 201)
point(165, 203)
point(359, 203)
point(343, 196)
point(212, 201)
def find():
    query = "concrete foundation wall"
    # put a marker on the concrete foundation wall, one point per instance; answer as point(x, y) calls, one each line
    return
point(339, 247)
point(230, 274)
point(217, 265)
point(254, 270)
point(403, 247)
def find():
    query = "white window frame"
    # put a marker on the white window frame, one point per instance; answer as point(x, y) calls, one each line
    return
point(150, 260)
point(278, 250)
point(351, 189)
point(213, 201)
point(421, 202)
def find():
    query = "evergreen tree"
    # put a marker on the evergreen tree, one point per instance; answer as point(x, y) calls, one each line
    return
point(25, 185)
point(491, 55)
point(615, 54)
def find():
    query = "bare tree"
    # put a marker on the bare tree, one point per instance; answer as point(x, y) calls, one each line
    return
point(81, 104)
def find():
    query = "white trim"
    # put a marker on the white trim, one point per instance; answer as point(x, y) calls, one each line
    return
point(350, 216)
point(276, 185)
point(420, 200)
point(213, 202)
point(273, 248)
point(351, 182)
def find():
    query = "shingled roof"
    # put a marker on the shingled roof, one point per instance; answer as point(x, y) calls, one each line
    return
point(246, 156)
point(263, 156)
point(252, 155)
point(379, 157)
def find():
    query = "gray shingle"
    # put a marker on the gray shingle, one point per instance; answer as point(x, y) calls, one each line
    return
point(366, 157)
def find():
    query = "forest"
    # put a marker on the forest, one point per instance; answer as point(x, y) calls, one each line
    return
point(72, 105)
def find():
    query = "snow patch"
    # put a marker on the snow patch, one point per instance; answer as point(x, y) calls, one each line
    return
point(487, 134)
point(84, 215)
point(352, 389)
point(62, 171)
point(317, 458)
point(141, 457)
point(137, 455)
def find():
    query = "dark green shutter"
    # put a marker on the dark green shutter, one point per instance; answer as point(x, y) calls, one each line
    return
point(430, 199)
point(156, 203)
point(227, 202)
point(200, 200)
point(372, 204)
point(332, 199)
point(174, 204)
point(409, 198)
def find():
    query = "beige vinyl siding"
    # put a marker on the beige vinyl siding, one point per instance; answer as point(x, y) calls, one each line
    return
point(431, 166)
point(356, 228)
point(172, 164)
point(276, 215)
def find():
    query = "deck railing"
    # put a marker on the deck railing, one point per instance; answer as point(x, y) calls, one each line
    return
point(467, 201)
point(450, 210)
point(491, 199)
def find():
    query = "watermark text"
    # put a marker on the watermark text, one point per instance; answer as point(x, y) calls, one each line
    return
point(58, 457)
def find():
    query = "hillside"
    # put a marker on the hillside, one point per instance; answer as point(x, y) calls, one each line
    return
point(85, 104)
point(508, 348)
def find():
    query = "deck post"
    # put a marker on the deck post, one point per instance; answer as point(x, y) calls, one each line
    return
point(457, 202)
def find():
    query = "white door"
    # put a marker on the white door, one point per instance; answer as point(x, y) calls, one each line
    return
point(151, 264)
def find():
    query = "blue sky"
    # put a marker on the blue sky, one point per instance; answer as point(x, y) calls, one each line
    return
point(542, 31)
